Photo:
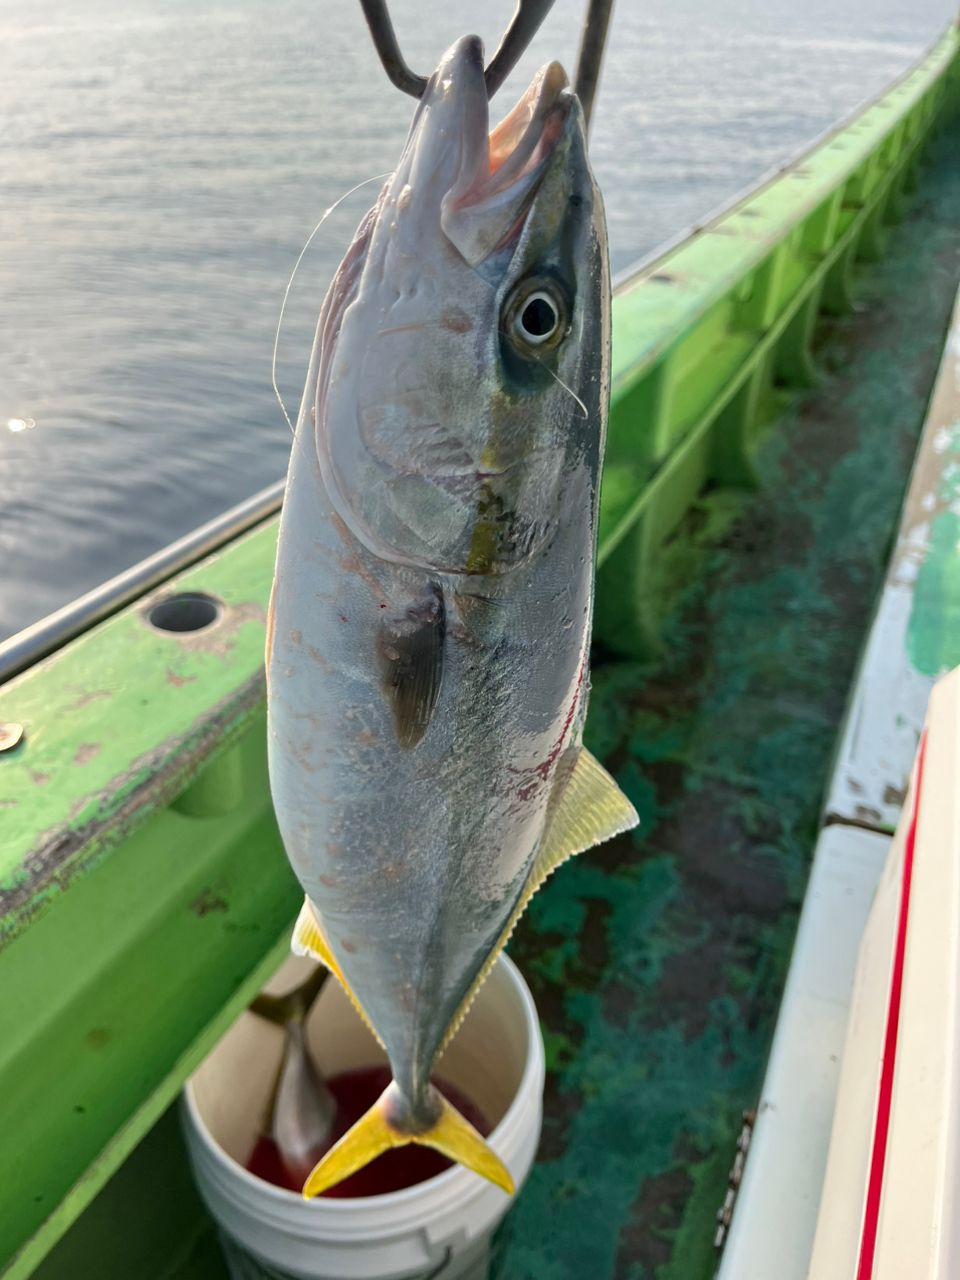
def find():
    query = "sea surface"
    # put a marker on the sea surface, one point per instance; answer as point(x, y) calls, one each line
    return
point(162, 163)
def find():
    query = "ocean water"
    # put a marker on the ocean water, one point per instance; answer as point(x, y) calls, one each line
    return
point(162, 163)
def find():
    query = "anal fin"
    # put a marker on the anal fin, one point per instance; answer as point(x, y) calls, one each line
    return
point(310, 940)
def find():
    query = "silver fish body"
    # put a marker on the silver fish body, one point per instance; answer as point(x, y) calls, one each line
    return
point(427, 662)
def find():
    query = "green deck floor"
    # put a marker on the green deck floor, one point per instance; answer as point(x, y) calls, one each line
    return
point(657, 962)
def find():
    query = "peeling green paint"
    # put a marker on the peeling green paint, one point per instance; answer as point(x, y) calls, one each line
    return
point(933, 633)
point(149, 745)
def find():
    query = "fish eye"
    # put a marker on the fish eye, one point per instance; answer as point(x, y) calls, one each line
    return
point(539, 319)
point(536, 316)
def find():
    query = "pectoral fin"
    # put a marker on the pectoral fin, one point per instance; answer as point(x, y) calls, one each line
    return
point(411, 659)
point(586, 808)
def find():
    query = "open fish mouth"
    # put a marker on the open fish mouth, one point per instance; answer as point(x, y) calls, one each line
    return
point(499, 171)
point(519, 145)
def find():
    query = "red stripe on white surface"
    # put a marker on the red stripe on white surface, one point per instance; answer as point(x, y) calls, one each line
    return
point(881, 1127)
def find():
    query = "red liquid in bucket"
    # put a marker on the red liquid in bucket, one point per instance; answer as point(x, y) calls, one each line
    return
point(355, 1092)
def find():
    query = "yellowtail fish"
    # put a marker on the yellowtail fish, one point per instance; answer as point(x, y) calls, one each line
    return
point(430, 622)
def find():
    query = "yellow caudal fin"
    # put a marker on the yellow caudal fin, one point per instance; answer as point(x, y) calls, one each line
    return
point(310, 940)
point(378, 1131)
point(587, 807)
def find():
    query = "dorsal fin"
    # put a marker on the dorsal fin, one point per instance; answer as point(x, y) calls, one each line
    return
point(411, 657)
point(586, 808)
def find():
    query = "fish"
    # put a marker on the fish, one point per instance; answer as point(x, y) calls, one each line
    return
point(429, 626)
point(302, 1109)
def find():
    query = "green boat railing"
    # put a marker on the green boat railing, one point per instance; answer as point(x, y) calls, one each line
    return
point(52, 632)
point(139, 852)
point(704, 332)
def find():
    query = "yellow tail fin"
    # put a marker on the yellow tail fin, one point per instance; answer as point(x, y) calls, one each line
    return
point(451, 1134)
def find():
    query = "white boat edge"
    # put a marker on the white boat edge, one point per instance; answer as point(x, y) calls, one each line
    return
point(814, 1133)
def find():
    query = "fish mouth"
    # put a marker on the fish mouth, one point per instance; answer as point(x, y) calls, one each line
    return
point(519, 146)
point(495, 175)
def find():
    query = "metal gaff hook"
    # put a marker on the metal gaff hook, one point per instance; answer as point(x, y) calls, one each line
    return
point(524, 24)
point(592, 43)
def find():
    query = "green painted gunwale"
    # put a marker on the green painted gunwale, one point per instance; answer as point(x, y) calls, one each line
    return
point(701, 334)
point(139, 853)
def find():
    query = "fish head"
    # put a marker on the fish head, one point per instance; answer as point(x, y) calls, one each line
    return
point(462, 383)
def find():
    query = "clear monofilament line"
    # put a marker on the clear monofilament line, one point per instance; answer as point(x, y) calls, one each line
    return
point(377, 177)
point(556, 377)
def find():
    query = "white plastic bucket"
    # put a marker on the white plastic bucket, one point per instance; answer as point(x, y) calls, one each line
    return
point(441, 1227)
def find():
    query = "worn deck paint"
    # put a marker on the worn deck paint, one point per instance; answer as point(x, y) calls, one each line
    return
point(933, 635)
point(657, 962)
point(915, 633)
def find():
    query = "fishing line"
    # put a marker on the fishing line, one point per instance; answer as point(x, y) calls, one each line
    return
point(377, 177)
point(583, 408)
point(585, 412)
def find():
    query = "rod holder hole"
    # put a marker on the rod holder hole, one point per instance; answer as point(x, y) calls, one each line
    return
point(187, 611)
